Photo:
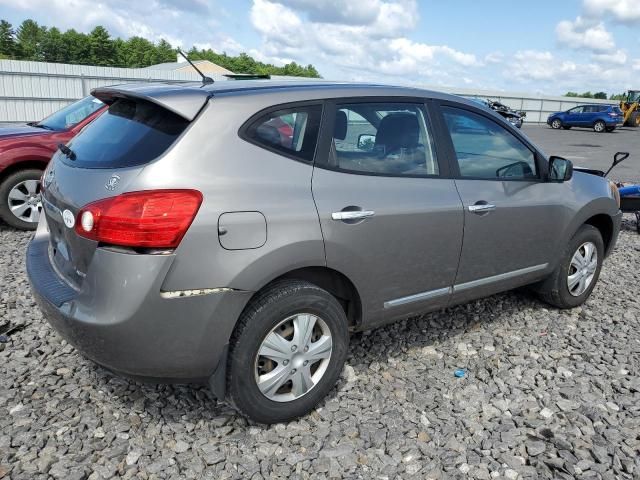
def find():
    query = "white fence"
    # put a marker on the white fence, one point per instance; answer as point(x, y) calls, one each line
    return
point(32, 90)
point(538, 107)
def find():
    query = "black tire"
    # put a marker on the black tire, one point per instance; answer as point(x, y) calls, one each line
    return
point(634, 120)
point(264, 313)
point(6, 186)
point(599, 126)
point(555, 290)
point(610, 129)
point(556, 124)
point(566, 128)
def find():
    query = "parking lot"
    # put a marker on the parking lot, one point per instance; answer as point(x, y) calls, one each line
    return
point(585, 148)
point(546, 394)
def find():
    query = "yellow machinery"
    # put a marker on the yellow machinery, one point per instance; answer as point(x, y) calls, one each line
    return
point(631, 108)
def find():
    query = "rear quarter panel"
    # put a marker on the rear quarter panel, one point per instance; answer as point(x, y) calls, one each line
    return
point(236, 176)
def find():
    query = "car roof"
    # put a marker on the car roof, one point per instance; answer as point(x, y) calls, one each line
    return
point(187, 99)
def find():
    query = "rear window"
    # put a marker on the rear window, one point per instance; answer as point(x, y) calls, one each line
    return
point(129, 133)
point(617, 110)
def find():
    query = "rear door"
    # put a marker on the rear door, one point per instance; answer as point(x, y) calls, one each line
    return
point(391, 217)
point(511, 215)
point(104, 158)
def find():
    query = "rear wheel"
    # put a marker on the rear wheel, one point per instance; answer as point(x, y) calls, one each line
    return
point(556, 123)
point(599, 126)
point(20, 203)
point(287, 352)
point(634, 120)
point(574, 279)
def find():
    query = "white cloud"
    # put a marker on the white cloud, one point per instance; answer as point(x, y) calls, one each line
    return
point(354, 12)
point(494, 57)
point(370, 48)
point(619, 57)
point(623, 11)
point(585, 34)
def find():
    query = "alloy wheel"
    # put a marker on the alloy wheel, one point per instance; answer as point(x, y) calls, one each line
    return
point(24, 201)
point(293, 357)
point(582, 269)
point(599, 127)
point(556, 124)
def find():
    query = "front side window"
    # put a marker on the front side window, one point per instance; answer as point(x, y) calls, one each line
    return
point(486, 150)
point(383, 138)
point(292, 131)
point(576, 110)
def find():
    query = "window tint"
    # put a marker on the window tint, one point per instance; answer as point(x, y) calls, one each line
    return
point(293, 131)
point(130, 132)
point(485, 149)
point(576, 110)
point(383, 138)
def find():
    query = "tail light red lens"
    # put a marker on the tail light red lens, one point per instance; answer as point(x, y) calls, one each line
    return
point(146, 219)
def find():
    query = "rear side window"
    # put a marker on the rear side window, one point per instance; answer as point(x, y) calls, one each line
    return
point(291, 131)
point(129, 133)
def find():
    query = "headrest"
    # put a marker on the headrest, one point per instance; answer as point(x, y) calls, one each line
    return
point(398, 130)
point(340, 127)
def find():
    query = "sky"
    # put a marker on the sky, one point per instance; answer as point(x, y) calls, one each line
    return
point(540, 46)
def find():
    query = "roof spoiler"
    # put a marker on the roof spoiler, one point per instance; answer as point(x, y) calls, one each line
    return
point(185, 102)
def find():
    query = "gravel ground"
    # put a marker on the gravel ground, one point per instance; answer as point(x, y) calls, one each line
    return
point(547, 394)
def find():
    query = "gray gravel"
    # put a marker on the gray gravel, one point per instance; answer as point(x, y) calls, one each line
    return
point(547, 394)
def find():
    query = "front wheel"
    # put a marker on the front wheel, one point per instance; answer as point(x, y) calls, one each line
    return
point(574, 279)
point(556, 124)
point(599, 126)
point(287, 352)
point(20, 203)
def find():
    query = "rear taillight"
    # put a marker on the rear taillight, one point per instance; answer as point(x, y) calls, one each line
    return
point(146, 219)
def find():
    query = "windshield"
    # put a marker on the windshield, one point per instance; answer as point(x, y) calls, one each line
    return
point(71, 114)
point(634, 96)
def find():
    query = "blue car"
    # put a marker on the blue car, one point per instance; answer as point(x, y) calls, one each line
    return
point(602, 118)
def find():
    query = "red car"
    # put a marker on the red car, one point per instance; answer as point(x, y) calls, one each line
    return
point(24, 153)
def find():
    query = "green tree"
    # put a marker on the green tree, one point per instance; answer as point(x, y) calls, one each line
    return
point(600, 95)
point(7, 39)
point(571, 94)
point(618, 96)
point(29, 40)
point(138, 52)
point(165, 52)
point(102, 50)
point(77, 48)
point(53, 47)
point(587, 95)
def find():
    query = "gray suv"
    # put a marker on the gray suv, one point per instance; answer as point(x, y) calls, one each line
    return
point(236, 234)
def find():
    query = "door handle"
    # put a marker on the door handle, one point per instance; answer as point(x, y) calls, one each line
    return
point(352, 215)
point(481, 208)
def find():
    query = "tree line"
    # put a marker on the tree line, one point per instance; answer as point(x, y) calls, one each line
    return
point(600, 95)
point(31, 41)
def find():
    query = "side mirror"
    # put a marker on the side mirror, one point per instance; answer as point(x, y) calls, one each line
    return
point(366, 142)
point(560, 169)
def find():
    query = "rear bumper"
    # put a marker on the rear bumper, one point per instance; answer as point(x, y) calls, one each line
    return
point(119, 319)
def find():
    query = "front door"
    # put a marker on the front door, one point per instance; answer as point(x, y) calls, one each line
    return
point(512, 216)
point(391, 222)
point(574, 116)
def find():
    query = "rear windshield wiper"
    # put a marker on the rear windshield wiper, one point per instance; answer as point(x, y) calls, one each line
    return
point(70, 154)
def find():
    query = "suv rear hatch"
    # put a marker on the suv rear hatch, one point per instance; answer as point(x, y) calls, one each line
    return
point(102, 161)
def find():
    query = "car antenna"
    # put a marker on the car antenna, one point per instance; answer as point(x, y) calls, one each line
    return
point(205, 80)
